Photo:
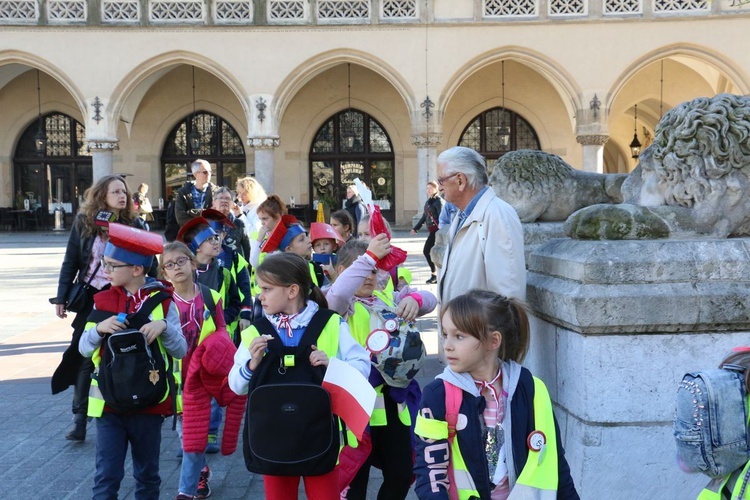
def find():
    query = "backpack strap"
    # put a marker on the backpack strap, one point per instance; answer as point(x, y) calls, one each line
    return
point(453, 397)
point(208, 299)
point(315, 328)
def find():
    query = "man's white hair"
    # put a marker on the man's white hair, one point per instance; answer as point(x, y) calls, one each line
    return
point(466, 161)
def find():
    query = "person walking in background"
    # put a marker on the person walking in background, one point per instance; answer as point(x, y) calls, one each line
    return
point(143, 204)
point(354, 206)
point(111, 197)
point(194, 196)
point(507, 438)
point(432, 209)
point(250, 195)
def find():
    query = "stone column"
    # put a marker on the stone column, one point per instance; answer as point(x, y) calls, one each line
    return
point(616, 325)
point(593, 151)
point(427, 144)
point(264, 160)
point(263, 137)
point(101, 157)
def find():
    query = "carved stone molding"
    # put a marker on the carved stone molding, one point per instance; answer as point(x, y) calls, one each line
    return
point(102, 146)
point(592, 140)
point(263, 142)
point(427, 140)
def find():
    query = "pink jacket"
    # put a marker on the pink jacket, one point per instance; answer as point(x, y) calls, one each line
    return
point(206, 378)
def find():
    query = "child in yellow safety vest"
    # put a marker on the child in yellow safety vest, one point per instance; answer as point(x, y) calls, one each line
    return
point(485, 427)
point(372, 312)
point(291, 303)
point(117, 313)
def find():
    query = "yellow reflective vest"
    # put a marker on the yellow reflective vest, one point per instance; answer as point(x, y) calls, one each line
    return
point(538, 479)
point(207, 328)
point(740, 491)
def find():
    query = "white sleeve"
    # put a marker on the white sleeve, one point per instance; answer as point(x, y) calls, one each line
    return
point(239, 376)
point(352, 352)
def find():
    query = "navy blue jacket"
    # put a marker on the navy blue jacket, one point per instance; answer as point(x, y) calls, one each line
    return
point(471, 441)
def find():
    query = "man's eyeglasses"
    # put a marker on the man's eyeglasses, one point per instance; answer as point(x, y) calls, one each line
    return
point(203, 172)
point(441, 180)
point(111, 267)
point(177, 263)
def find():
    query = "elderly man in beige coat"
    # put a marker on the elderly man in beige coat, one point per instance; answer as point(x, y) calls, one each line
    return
point(485, 244)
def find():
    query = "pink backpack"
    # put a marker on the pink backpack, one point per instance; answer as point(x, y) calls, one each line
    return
point(453, 397)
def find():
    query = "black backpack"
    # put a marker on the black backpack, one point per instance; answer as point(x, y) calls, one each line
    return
point(289, 427)
point(133, 375)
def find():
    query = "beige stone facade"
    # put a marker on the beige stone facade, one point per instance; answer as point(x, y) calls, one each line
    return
point(574, 72)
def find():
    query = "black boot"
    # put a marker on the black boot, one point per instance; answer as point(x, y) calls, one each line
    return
point(78, 431)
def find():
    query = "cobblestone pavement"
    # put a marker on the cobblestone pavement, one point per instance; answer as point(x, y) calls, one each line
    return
point(37, 462)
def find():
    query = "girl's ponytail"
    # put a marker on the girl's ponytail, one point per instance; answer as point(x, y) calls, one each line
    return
point(517, 346)
point(317, 296)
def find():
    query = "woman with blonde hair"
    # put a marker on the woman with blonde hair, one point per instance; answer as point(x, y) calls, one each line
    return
point(250, 194)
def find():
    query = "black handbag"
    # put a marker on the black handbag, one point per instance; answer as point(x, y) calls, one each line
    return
point(77, 297)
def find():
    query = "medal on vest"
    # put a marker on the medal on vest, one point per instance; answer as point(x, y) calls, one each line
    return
point(378, 341)
point(391, 325)
point(153, 376)
point(537, 441)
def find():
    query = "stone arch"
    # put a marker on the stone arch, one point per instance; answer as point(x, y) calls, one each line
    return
point(567, 88)
point(705, 55)
point(128, 94)
point(311, 68)
point(16, 57)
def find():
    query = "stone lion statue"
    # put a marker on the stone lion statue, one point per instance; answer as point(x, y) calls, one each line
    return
point(541, 186)
point(694, 179)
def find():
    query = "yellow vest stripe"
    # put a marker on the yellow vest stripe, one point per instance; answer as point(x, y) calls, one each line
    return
point(535, 474)
point(431, 428)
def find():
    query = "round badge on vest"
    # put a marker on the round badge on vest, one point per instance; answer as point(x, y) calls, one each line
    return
point(391, 325)
point(536, 441)
point(378, 341)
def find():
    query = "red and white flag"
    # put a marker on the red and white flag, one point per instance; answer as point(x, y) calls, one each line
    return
point(352, 396)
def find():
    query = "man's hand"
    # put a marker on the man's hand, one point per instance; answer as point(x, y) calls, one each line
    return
point(60, 311)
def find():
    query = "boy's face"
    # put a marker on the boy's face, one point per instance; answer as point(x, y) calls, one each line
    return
point(121, 274)
point(210, 248)
point(324, 246)
point(301, 246)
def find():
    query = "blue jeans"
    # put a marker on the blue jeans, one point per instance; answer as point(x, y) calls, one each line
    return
point(216, 416)
point(113, 434)
point(190, 473)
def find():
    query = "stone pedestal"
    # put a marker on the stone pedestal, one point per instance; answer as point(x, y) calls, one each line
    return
point(616, 324)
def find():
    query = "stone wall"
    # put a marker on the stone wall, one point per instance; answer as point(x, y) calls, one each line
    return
point(616, 325)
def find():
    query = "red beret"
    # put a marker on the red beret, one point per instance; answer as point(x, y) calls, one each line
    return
point(277, 235)
point(212, 215)
point(200, 237)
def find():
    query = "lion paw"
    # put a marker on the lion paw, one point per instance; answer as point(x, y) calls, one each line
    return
point(615, 222)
